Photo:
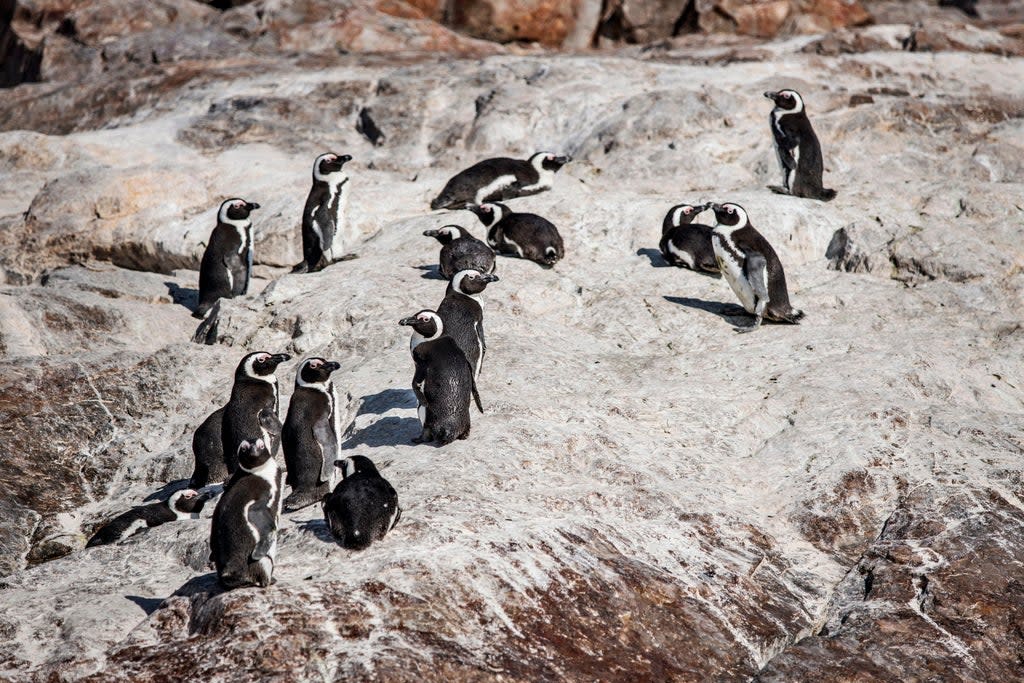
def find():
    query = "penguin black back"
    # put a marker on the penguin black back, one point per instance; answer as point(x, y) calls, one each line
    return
point(252, 411)
point(499, 179)
point(686, 244)
point(310, 437)
point(461, 251)
point(184, 504)
point(323, 219)
point(226, 266)
point(463, 316)
point(797, 148)
point(525, 235)
point(363, 506)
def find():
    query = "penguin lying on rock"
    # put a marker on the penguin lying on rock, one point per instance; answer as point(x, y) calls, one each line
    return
point(500, 179)
point(363, 506)
point(184, 504)
point(461, 251)
point(687, 244)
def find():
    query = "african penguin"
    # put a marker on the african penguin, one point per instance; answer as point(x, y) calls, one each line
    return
point(498, 179)
point(525, 235)
point(443, 381)
point(686, 244)
point(796, 147)
point(311, 436)
point(323, 218)
point(243, 535)
point(227, 261)
point(184, 504)
point(461, 251)
point(751, 266)
point(252, 410)
point(208, 449)
point(463, 316)
point(363, 506)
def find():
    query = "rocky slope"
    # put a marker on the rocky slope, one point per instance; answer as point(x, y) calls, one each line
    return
point(649, 496)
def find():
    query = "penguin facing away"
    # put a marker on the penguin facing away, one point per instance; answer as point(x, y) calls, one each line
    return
point(463, 316)
point(686, 244)
point(443, 381)
point(525, 235)
point(500, 179)
point(184, 504)
point(751, 267)
point(324, 227)
point(461, 251)
point(243, 534)
point(226, 267)
point(797, 148)
point(252, 410)
point(363, 506)
point(311, 436)
point(208, 449)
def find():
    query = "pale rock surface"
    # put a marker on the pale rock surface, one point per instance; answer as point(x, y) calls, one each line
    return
point(649, 496)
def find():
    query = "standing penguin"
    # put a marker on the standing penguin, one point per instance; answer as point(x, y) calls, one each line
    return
point(252, 410)
point(363, 506)
point(227, 262)
point(525, 235)
point(686, 244)
point(461, 251)
point(797, 148)
point(311, 436)
point(443, 381)
point(185, 504)
point(752, 268)
point(499, 179)
point(243, 535)
point(463, 316)
point(208, 450)
point(323, 217)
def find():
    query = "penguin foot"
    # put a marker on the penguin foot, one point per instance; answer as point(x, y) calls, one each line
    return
point(300, 499)
point(345, 257)
point(302, 267)
point(749, 328)
point(778, 189)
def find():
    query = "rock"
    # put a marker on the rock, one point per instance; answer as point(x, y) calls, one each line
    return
point(547, 22)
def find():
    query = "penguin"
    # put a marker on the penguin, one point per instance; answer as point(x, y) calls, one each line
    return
point(797, 148)
point(752, 268)
point(323, 217)
point(525, 235)
point(311, 436)
point(463, 316)
point(184, 504)
point(227, 261)
point(461, 251)
point(363, 506)
point(499, 179)
point(208, 450)
point(686, 244)
point(243, 535)
point(252, 410)
point(443, 381)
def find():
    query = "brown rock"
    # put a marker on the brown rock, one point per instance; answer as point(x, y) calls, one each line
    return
point(548, 22)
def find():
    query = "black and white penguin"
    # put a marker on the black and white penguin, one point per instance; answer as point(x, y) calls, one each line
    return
point(252, 410)
point(686, 244)
point(243, 535)
point(443, 381)
point(324, 228)
point(797, 148)
point(525, 235)
point(227, 262)
point(311, 437)
point(363, 506)
point(752, 267)
point(208, 450)
point(500, 179)
point(463, 316)
point(461, 251)
point(184, 504)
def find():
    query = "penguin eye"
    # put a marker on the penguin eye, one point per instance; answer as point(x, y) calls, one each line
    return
point(314, 363)
point(730, 209)
point(263, 358)
point(688, 209)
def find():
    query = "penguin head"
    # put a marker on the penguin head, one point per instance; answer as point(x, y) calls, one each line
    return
point(355, 464)
point(786, 100)
point(315, 371)
point(471, 281)
point(549, 161)
point(235, 210)
point(426, 323)
point(326, 165)
point(489, 213)
point(188, 501)
point(260, 365)
point(252, 455)
point(683, 214)
point(730, 216)
point(447, 234)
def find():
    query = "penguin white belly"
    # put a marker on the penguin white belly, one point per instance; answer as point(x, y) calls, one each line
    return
point(499, 183)
point(683, 256)
point(796, 165)
point(544, 182)
point(421, 412)
point(733, 272)
point(136, 526)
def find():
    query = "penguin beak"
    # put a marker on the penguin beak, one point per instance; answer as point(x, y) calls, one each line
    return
point(345, 158)
point(771, 95)
point(331, 366)
point(205, 496)
point(563, 160)
point(489, 277)
point(279, 358)
point(252, 206)
point(430, 233)
point(411, 320)
point(475, 208)
point(701, 207)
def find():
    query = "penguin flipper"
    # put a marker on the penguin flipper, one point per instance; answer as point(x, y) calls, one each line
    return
point(755, 269)
point(476, 398)
point(263, 521)
point(323, 433)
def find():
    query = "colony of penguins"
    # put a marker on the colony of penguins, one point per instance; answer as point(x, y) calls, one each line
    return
point(236, 446)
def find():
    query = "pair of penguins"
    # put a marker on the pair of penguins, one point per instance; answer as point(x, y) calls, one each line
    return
point(734, 247)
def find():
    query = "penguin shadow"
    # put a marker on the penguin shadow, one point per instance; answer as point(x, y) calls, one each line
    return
point(317, 527)
point(388, 431)
point(148, 605)
point(204, 583)
point(431, 272)
point(731, 313)
point(183, 296)
point(657, 260)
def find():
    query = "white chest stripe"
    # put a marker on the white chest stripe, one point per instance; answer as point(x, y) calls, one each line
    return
point(490, 188)
point(683, 256)
point(544, 182)
point(511, 243)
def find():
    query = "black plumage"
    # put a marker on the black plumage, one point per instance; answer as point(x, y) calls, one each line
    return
point(461, 251)
point(363, 506)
